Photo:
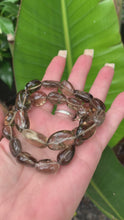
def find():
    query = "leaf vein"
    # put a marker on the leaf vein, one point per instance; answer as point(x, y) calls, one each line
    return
point(105, 199)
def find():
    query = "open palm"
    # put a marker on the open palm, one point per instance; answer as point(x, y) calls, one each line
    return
point(28, 194)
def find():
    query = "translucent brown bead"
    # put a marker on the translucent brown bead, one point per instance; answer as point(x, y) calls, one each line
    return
point(38, 98)
point(35, 138)
point(86, 120)
point(22, 120)
point(23, 100)
point(85, 131)
point(89, 109)
point(74, 103)
point(84, 96)
point(99, 117)
point(85, 123)
point(78, 139)
point(60, 140)
point(47, 166)
point(26, 159)
point(81, 112)
point(9, 119)
point(33, 86)
point(98, 104)
point(7, 132)
point(15, 146)
point(66, 156)
point(67, 88)
point(99, 111)
point(56, 98)
point(50, 84)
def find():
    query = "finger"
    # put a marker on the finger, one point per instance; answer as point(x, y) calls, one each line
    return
point(80, 69)
point(56, 67)
point(77, 78)
point(54, 72)
point(102, 82)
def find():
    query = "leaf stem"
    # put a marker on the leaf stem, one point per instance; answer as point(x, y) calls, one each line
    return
point(66, 34)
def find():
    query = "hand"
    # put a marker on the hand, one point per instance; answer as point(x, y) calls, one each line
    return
point(31, 195)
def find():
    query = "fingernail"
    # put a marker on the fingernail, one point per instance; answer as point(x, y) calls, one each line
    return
point(10, 38)
point(62, 53)
point(89, 52)
point(112, 65)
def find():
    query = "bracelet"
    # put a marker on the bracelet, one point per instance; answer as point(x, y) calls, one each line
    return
point(89, 111)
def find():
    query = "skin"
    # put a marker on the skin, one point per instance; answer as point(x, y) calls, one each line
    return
point(28, 194)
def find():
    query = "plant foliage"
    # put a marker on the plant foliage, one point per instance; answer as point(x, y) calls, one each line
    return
point(8, 15)
point(44, 27)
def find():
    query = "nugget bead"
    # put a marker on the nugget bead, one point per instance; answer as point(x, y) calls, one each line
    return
point(22, 120)
point(7, 132)
point(85, 131)
point(86, 120)
point(47, 166)
point(66, 88)
point(56, 98)
point(26, 159)
point(33, 86)
point(66, 156)
point(98, 104)
point(89, 108)
point(74, 103)
point(22, 100)
point(99, 117)
point(81, 112)
point(61, 140)
point(38, 98)
point(84, 96)
point(9, 119)
point(35, 138)
point(15, 146)
point(79, 140)
point(50, 84)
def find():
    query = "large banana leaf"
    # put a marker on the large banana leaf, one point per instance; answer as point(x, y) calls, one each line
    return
point(44, 27)
point(106, 187)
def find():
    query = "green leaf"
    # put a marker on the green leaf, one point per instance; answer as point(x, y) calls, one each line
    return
point(106, 188)
point(9, 7)
point(44, 27)
point(6, 74)
point(12, 1)
point(6, 25)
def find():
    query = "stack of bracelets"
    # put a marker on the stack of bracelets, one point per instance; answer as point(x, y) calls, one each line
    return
point(89, 111)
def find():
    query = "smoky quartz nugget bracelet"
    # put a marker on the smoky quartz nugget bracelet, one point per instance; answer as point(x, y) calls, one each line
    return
point(88, 110)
